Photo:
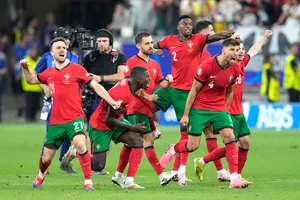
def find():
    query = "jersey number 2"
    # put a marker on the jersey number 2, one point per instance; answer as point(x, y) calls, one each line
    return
point(174, 56)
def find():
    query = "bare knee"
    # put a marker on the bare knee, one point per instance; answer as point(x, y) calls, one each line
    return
point(148, 139)
point(208, 132)
point(193, 143)
point(79, 143)
point(227, 135)
point(244, 142)
point(99, 161)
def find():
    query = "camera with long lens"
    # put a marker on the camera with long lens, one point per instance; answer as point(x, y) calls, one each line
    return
point(82, 39)
point(88, 97)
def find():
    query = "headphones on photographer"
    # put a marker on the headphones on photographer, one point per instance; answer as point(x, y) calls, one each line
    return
point(61, 32)
point(105, 33)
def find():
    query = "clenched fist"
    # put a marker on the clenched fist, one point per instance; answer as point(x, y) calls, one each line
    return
point(24, 63)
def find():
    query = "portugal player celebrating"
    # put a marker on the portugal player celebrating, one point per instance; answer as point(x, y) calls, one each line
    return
point(240, 125)
point(208, 102)
point(185, 49)
point(67, 118)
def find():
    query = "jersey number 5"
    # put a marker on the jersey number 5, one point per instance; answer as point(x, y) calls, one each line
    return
point(174, 56)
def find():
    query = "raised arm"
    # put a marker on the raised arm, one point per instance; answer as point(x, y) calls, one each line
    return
point(167, 82)
point(220, 36)
point(257, 47)
point(31, 78)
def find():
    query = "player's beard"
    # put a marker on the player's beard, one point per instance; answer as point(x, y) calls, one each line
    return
point(148, 53)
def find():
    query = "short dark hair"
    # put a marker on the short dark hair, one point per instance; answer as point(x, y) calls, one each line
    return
point(139, 36)
point(230, 42)
point(295, 44)
point(57, 39)
point(184, 17)
point(137, 71)
point(201, 25)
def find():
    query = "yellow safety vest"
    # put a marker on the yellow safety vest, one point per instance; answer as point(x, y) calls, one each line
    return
point(291, 78)
point(26, 87)
point(273, 87)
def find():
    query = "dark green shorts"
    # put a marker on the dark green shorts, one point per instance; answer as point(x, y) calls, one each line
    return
point(100, 139)
point(172, 96)
point(57, 134)
point(199, 119)
point(139, 118)
point(240, 126)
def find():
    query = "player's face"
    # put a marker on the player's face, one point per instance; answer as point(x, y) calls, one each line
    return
point(103, 44)
point(230, 54)
point(185, 27)
point(146, 46)
point(241, 52)
point(59, 51)
point(144, 80)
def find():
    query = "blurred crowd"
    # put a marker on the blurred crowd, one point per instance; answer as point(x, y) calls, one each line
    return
point(27, 36)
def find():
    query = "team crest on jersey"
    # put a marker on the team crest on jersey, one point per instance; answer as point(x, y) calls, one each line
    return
point(190, 45)
point(230, 78)
point(199, 72)
point(67, 77)
point(154, 72)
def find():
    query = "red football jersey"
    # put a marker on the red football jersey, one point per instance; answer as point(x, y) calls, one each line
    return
point(121, 91)
point(212, 95)
point(66, 89)
point(204, 56)
point(138, 104)
point(236, 107)
point(185, 57)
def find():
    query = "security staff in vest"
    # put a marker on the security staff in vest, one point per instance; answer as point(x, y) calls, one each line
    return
point(106, 65)
point(45, 62)
point(292, 74)
point(270, 84)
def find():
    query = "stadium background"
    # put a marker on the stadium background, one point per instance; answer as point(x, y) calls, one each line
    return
point(274, 153)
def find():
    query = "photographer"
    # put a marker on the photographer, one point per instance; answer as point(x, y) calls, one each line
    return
point(106, 65)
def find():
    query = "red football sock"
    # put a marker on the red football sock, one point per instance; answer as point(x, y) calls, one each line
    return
point(184, 156)
point(124, 158)
point(181, 146)
point(211, 145)
point(176, 162)
point(215, 155)
point(232, 157)
point(153, 160)
point(135, 158)
point(43, 167)
point(85, 163)
point(243, 153)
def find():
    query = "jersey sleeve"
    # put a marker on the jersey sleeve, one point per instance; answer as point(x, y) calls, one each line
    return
point(122, 59)
point(246, 60)
point(163, 43)
point(159, 77)
point(201, 74)
point(42, 65)
point(128, 67)
point(43, 77)
point(83, 76)
point(202, 39)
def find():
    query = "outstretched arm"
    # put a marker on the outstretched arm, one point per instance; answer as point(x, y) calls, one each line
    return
point(31, 78)
point(99, 89)
point(220, 36)
point(256, 47)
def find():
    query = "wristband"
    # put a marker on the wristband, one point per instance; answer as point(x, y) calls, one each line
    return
point(102, 78)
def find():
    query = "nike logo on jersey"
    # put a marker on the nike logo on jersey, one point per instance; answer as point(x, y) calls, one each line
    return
point(173, 47)
point(213, 76)
point(50, 77)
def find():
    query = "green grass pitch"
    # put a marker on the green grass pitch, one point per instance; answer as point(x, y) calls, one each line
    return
point(273, 167)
